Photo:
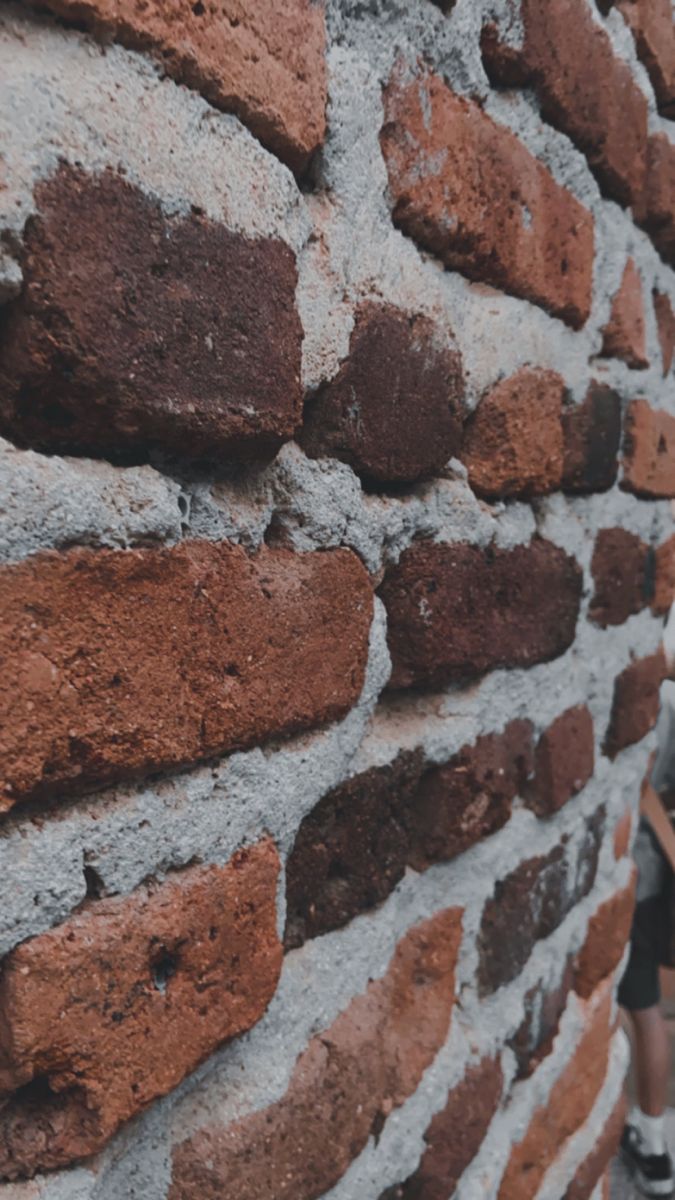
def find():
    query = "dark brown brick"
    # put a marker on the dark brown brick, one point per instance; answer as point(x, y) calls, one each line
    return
point(625, 335)
point(563, 763)
point(665, 322)
point(346, 1082)
point(146, 331)
point(592, 435)
point(635, 706)
point(459, 610)
point(88, 1009)
point(468, 190)
point(351, 849)
point(264, 62)
point(117, 663)
point(606, 939)
point(455, 1135)
point(583, 88)
point(649, 452)
point(394, 410)
point(664, 577)
point(544, 1006)
point(654, 209)
point(591, 1169)
point(514, 441)
point(652, 24)
point(470, 797)
point(623, 569)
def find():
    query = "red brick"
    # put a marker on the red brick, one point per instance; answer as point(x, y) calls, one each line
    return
point(264, 62)
point(654, 209)
point(664, 577)
point(122, 662)
point(591, 1169)
point(606, 939)
point(514, 441)
point(635, 706)
point(455, 1135)
point(459, 610)
point(468, 190)
point(665, 322)
point(652, 24)
point(583, 88)
point(172, 333)
point(624, 336)
point(88, 1009)
point(346, 1082)
point(563, 762)
point(533, 1040)
point(568, 1107)
point(623, 573)
point(649, 452)
point(592, 436)
point(622, 834)
point(393, 411)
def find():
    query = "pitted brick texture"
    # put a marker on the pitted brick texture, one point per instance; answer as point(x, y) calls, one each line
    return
point(649, 452)
point(606, 940)
point(624, 336)
point(664, 577)
point(665, 321)
point(654, 31)
point(266, 64)
point(394, 410)
point(147, 332)
point(533, 1040)
point(655, 207)
point(592, 434)
point(119, 663)
point(468, 190)
point(460, 610)
point(563, 761)
point(623, 569)
point(352, 1074)
point(114, 1007)
point(635, 705)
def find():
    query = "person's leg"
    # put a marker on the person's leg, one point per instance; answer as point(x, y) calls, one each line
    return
point(652, 1060)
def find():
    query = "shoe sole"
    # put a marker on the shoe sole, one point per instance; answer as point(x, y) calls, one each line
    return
point(648, 1187)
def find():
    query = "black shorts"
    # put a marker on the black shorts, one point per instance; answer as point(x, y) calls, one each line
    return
point(640, 987)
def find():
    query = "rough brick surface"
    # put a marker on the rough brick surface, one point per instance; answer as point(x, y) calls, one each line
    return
point(624, 336)
point(590, 1171)
point(393, 412)
point(623, 569)
point(533, 1040)
point(652, 24)
point(365, 1064)
point(635, 705)
point(168, 333)
point(468, 190)
point(664, 577)
point(265, 63)
point(665, 323)
point(592, 436)
point(116, 662)
point(563, 761)
point(584, 89)
point(649, 452)
point(89, 1009)
point(514, 441)
point(569, 1104)
point(460, 610)
point(655, 207)
point(608, 933)
point(455, 1135)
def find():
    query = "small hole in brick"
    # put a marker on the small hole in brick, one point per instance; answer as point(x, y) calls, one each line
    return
point(213, 933)
point(95, 885)
point(198, 9)
point(162, 969)
point(662, 447)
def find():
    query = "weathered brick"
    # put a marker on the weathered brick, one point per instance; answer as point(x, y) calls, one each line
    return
point(470, 796)
point(592, 435)
point(468, 190)
point(654, 209)
point(264, 62)
point(88, 1008)
point(608, 933)
point(121, 662)
point(635, 706)
point(351, 849)
point(652, 24)
point(664, 577)
point(591, 1169)
point(624, 336)
point(623, 569)
point(569, 1105)
point(563, 761)
point(459, 610)
point(665, 323)
point(147, 331)
point(347, 1080)
point(649, 452)
point(622, 834)
point(583, 88)
point(455, 1135)
point(533, 1040)
point(513, 444)
point(393, 411)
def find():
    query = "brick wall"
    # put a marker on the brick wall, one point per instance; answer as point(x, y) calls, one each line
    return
point(338, 446)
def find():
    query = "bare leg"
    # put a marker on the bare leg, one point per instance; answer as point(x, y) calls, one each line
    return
point(652, 1059)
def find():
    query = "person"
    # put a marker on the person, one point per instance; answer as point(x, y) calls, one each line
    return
point(643, 1143)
